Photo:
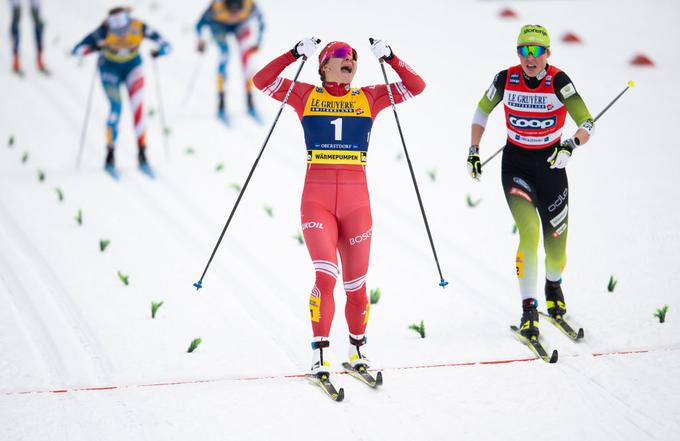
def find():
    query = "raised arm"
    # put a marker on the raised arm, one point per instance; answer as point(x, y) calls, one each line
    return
point(411, 83)
point(269, 81)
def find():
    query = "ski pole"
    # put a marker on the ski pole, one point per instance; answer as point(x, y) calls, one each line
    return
point(442, 282)
point(631, 83)
point(87, 116)
point(199, 284)
point(164, 128)
point(192, 82)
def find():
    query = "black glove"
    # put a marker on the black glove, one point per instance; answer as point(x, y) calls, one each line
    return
point(474, 165)
point(561, 154)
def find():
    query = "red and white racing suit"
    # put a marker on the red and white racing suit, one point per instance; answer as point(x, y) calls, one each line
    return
point(335, 209)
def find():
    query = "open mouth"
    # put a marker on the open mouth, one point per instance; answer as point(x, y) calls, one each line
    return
point(346, 69)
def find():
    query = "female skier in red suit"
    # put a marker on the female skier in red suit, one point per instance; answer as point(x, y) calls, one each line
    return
point(335, 209)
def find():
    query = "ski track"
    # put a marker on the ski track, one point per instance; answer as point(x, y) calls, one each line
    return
point(32, 325)
point(268, 313)
point(55, 291)
point(610, 414)
point(601, 400)
point(272, 315)
point(415, 248)
point(500, 314)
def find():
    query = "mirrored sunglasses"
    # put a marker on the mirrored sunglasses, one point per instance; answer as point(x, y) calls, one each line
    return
point(536, 51)
point(343, 52)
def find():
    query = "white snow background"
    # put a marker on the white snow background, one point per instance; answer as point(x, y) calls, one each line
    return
point(68, 324)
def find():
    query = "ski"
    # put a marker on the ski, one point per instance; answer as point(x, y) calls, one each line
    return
point(224, 118)
point(361, 374)
point(563, 326)
point(325, 384)
point(111, 170)
point(147, 170)
point(535, 346)
point(255, 116)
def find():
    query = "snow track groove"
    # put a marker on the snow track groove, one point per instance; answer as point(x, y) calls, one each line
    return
point(64, 312)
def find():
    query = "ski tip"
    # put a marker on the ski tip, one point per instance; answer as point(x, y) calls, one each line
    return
point(147, 171)
point(340, 396)
point(252, 113)
point(443, 283)
point(198, 285)
point(112, 172)
point(553, 357)
point(631, 83)
point(378, 379)
point(580, 334)
point(371, 40)
point(224, 119)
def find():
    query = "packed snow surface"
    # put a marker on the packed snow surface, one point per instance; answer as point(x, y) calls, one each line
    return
point(81, 358)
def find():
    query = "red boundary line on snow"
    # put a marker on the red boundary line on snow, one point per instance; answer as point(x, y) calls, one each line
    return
point(275, 377)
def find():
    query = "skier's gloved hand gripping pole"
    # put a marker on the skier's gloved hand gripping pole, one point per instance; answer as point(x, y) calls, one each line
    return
point(567, 147)
point(305, 48)
point(381, 50)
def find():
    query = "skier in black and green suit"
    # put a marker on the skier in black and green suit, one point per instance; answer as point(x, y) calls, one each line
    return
point(536, 97)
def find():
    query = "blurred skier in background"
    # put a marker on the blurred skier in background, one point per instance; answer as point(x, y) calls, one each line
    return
point(536, 97)
point(242, 19)
point(118, 40)
point(335, 208)
point(38, 26)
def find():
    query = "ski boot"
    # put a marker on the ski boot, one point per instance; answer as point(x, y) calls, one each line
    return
point(144, 166)
point(320, 372)
point(41, 65)
point(529, 323)
point(16, 65)
point(554, 299)
point(356, 358)
point(221, 109)
point(358, 363)
point(110, 163)
point(252, 112)
point(320, 367)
